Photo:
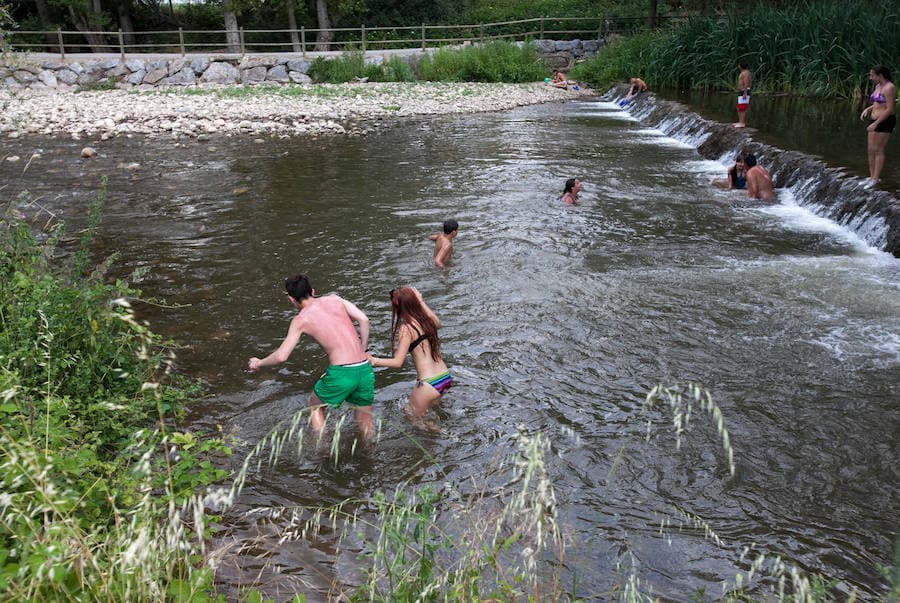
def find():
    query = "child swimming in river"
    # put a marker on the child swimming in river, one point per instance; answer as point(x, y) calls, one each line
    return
point(443, 242)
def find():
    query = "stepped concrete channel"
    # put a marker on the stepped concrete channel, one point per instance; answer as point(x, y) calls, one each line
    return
point(38, 71)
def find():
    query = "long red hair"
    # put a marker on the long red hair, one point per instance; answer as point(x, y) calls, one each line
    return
point(406, 308)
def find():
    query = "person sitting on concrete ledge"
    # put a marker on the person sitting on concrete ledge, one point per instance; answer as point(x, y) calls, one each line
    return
point(759, 183)
point(737, 177)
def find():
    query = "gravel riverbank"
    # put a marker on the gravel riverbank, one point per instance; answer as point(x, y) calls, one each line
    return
point(253, 110)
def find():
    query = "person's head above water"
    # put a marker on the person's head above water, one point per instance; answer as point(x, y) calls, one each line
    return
point(298, 287)
point(573, 185)
point(450, 226)
point(749, 160)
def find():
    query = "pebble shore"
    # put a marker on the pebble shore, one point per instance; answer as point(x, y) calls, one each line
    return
point(202, 112)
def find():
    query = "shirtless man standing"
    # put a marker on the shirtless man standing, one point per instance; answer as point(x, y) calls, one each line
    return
point(745, 80)
point(349, 376)
point(759, 183)
point(443, 243)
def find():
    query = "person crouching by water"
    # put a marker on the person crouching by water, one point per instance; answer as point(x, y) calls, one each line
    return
point(736, 176)
point(414, 328)
point(881, 112)
point(759, 183)
point(349, 377)
point(570, 192)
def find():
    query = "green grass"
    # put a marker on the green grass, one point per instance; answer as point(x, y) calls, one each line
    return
point(490, 62)
point(286, 91)
point(100, 495)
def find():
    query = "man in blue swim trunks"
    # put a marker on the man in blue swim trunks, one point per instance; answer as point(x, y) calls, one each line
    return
point(349, 377)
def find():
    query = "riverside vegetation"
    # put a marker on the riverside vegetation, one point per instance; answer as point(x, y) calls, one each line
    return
point(812, 47)
point(105, 499)
point(492, 62)
point(98, 499)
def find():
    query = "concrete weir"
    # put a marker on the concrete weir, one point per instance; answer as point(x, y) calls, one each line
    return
point(828, 191)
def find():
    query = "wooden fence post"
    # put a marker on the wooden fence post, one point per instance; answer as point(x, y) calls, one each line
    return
point(62, 48)
point(363, 30)
point(481, 32)
point(423, 37)
point(121, 45)
point(242, 41)
point(542, 28)
point(181, 39)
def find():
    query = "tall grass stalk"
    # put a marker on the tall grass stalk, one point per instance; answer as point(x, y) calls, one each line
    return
point(818, 47)
point(506, 543)
point(100, 497)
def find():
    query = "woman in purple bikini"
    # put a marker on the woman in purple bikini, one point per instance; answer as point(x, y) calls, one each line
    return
point(881, 112)
point(414, 329)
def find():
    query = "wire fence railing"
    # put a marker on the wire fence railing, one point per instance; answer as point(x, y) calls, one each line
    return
point(240, 41)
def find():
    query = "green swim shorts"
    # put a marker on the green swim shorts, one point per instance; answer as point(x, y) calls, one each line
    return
point(353, 383)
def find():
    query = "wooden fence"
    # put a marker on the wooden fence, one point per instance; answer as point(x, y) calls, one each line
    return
point(302, 40)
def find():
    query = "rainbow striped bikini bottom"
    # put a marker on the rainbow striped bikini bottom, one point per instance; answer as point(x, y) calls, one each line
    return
point(440, 382)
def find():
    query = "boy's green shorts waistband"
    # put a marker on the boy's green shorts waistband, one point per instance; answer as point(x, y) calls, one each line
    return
point(353, 383)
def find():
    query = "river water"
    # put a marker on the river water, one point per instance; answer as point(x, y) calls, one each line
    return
point(559, 319)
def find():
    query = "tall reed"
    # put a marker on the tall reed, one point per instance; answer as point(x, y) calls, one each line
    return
point(823, 47)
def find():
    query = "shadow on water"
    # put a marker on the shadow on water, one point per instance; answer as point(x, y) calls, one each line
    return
point(558, 319)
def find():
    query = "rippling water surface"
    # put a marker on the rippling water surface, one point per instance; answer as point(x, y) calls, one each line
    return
point(558, 319)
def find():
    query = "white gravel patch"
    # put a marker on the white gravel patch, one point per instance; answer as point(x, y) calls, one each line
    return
point(260, 110)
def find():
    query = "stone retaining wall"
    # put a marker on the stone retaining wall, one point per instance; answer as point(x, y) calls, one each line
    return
point(187, 71)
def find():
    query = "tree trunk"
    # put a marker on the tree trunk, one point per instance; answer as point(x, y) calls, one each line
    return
point(651, 15)
point(325, 35)
point(125, 23)
point(47, 25)
point(292, 25)
point(87, 25)
point(232, 36)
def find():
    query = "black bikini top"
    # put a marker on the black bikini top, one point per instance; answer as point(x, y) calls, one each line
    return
point(418, 340)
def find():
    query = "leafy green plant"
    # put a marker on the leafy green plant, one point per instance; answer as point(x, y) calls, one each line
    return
point(491, 62)
point(92, 473)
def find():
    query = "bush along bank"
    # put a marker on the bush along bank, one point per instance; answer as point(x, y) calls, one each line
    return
point(100, 491)
point(814, 48)
point(496, 61)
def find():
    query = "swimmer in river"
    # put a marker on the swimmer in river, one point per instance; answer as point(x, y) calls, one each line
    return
point(443, 243)
point(736, 176)
point(349, 377)
point(759, 183)
point(570, 192)
point(414, 328)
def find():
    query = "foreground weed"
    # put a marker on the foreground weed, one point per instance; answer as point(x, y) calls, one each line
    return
point(99, 496)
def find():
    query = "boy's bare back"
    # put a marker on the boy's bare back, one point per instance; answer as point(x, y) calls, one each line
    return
point(443, 248)
point(443, 242)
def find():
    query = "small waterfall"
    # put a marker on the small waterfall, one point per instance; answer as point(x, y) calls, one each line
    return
point(874, 215)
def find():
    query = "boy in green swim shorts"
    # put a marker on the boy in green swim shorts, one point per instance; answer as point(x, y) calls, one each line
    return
point(329, 320)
